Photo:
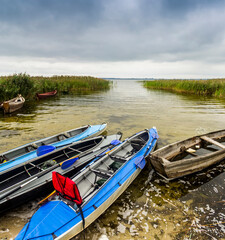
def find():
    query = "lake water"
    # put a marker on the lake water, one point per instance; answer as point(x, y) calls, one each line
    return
point(151, 208)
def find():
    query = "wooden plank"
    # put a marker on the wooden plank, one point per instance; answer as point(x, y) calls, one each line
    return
point(210, 140)
point(191, 151)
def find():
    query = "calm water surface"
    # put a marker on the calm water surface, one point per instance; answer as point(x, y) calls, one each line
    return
point(151, 208)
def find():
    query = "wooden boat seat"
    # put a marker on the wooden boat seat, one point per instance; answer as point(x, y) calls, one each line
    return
point(212, 141)
point(66, 134)
point(61, 137)
point(34, 145)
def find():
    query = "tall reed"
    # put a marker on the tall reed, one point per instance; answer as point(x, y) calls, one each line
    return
point(210, 87)
point(28, 85)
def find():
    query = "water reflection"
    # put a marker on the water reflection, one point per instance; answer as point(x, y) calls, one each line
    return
point(151, 208)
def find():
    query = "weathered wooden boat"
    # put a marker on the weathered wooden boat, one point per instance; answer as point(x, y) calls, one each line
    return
point(189, 156)
point(13, 105)
point(84, 198)
point(32, 178)
point(28, 151)
point(46, 95)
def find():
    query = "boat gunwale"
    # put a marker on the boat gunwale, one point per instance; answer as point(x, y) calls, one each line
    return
point(160, 152)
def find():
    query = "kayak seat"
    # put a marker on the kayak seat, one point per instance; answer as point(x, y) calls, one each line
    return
point(66, 188)
point(137, 144)
point(118, 159)
point(102, 173)
point(3, 159)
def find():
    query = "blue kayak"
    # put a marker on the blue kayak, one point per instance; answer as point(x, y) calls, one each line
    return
point(32, 150)
point(98, 185)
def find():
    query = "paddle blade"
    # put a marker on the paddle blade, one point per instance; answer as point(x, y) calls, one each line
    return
point(69, 163)
point(140, 162)
point(44, 149)
point(115, 142)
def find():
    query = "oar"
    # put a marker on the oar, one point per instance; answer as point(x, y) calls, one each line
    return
point(17, 188)
point(46, 198)
point(140, 160)
point(71, 161)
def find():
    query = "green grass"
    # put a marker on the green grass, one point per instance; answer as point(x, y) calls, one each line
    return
point(28, 86)
point(211, 87)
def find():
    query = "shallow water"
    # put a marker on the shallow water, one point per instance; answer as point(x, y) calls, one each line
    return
point(151, 208)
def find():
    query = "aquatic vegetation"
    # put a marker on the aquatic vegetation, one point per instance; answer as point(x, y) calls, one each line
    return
point(11, 86)
point(28, 85)
point(210, 87)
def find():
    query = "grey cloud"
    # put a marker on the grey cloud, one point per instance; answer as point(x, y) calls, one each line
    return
point(86, 30)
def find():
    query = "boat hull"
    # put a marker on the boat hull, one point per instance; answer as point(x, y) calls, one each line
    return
point(46, 95)
point(13, 104)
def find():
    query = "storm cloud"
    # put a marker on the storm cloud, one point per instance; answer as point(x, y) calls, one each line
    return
point(113, 31)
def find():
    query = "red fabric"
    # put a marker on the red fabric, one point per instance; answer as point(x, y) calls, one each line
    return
point(66, 187)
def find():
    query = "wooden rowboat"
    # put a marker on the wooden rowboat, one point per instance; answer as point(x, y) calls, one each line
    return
point(189, 156)
point(46, 95)
point(13, 105)
point(96, 186)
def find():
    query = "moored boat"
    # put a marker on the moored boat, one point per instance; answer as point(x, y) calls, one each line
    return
point(13, 105)
point(46, 95)
point(32, 178)
point(28, 151)
point(91, 191)
point(189, 156)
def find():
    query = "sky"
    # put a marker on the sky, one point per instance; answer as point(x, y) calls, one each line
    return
point(116, 38)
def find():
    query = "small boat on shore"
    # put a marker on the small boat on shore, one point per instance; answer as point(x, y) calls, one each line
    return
point(28, 151)
point(83, 199)
point(189, 156)
point(32, 178)
point(13, 105)
point(46, 95)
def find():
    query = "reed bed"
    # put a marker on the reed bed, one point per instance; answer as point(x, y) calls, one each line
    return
point(28, 86)
point(210, 87)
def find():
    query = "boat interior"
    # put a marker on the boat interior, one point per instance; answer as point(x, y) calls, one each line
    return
point(40, 164)
point(201, 146)
point(96, 174)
